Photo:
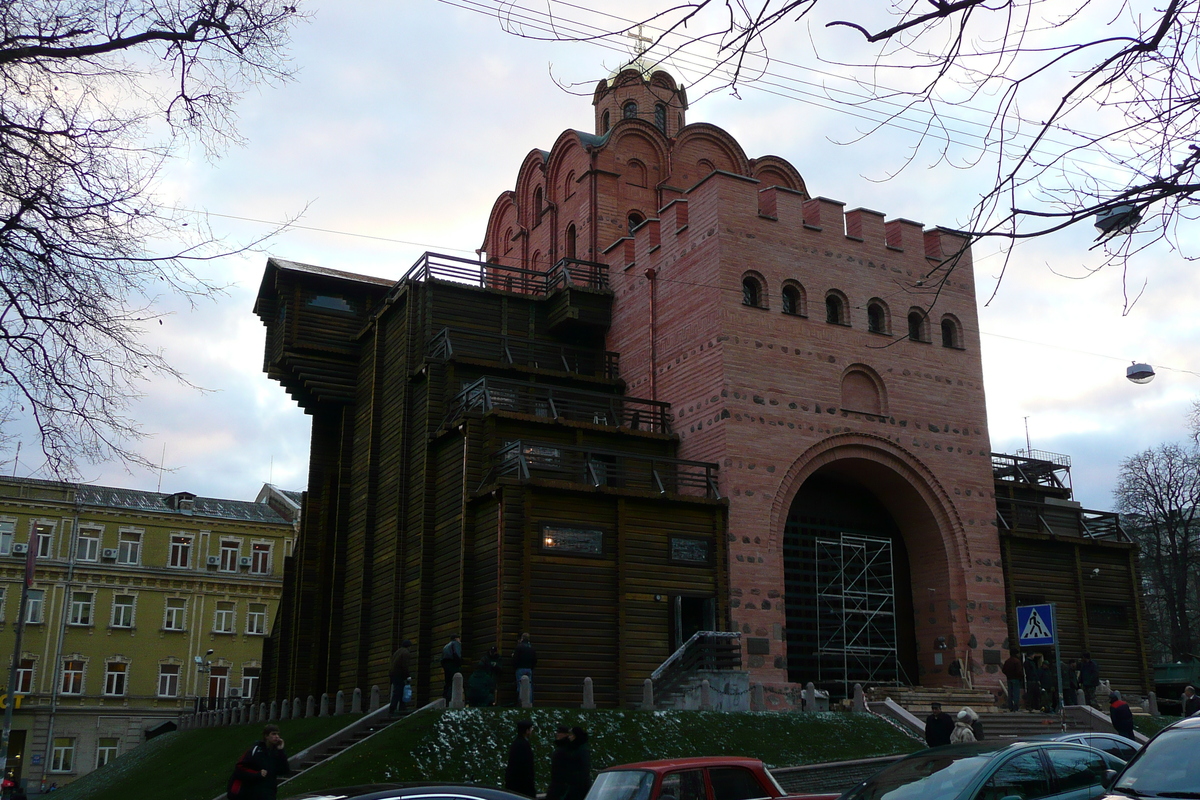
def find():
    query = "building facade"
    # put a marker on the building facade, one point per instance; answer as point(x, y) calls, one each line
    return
point(821, 366)
point(142, 606)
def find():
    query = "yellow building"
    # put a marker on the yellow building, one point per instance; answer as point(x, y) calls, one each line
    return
point(143, 605)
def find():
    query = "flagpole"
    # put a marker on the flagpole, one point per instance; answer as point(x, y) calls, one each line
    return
point(16, 657)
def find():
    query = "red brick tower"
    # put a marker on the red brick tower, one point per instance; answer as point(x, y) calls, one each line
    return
point(828, 360)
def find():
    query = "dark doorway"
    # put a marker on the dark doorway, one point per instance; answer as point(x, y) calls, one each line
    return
point(848, 592)
point(16, 756)
point(689, 616)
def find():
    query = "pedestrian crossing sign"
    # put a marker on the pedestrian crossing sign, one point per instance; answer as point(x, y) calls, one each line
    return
point(1035, 625)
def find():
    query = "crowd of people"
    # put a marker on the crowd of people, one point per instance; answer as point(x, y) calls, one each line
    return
point(570, 764)
point(1035, 679)
point(480, 689)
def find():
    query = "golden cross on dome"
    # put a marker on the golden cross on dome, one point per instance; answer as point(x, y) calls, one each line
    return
point(642, 40)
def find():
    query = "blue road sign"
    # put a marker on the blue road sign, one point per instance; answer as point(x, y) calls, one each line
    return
point(1035, 625)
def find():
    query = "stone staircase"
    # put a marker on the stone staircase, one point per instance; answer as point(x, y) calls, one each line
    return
point(344, 739)
point(918, 700)
point(1018, 724)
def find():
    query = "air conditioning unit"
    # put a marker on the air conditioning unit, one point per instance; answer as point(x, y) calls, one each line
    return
point(214, 561)
point(109, 553)
point(20, 549)
point(235, 691)
point(244, 561)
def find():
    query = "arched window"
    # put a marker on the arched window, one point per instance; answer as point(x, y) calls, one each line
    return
point(751, 292)
point(877, 318)
point(636, 218)
point(916, 326)
point(679, 119)
point(537, 206)
point(569, 186)
point(536, 261)
point(605, 122)
point(570, 240)
point(791, 300)
point(950, 335)
point(629, 110)
point(835, 310)
point(660, 117)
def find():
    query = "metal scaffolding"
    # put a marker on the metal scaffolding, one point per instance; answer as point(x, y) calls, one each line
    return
point(856, 610)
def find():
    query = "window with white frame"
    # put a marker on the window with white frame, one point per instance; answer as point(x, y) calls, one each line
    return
point(256, 619)
point(25, 676)
point(250, 676)
point(223, 619)
point(72, 676)
point(81, 608)
point(106, 750)
point(176, 613)
point(7, 526)
point(181, 551)
point(35, 606)
point(129, 547)
point(87, 547)
point(229, 554)
point(43, 538)
point(260, 558)
point(62, 754)
point(122, 611)
point(168, 680)
point(114, 678)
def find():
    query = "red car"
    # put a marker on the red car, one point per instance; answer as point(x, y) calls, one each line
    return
point(707, 778)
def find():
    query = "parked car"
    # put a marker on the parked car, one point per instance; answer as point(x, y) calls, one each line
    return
point(993, 770)
point(1167, 766)
point(706, 778)
point(1111, 743)
point(411, 791)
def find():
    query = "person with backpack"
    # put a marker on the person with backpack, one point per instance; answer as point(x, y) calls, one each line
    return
point(255, 775)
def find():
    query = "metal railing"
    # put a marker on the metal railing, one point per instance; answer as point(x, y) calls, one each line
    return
point(568, 272)
point(555, 402)
point(1042, 469)
point(706, 650)
point(1027, 515)
point(450, 342)
point(526, 459)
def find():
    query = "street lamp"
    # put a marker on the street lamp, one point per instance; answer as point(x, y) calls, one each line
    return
point(1139, 373)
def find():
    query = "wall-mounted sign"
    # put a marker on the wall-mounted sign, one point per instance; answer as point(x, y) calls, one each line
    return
point(573, 540)
point(689, 551)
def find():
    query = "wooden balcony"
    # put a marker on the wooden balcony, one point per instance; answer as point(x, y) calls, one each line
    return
point(558, 403)
point(522, 351)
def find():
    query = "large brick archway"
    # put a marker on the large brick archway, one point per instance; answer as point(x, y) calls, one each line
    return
point(932, 531)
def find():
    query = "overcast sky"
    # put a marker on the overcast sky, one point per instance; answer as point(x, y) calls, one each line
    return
point(407, 119)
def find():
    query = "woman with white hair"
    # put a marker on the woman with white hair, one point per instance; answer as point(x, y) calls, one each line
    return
point(962, 727)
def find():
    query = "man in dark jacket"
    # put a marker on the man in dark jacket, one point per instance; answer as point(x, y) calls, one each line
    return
point(579, 765)
point(1033, 683)
point(256, 772)
point(1121, 715)
point(451, 663)
point(1089, 678)
point(1191, 701)
point(938, 726)
point(520, 773)
point(398, 674)
point(559, 764)
point(1014, 670)
point(524, 660)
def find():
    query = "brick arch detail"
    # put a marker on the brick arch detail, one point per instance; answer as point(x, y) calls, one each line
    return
point(886, 453)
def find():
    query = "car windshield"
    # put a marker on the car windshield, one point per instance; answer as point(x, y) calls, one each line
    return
point(1167, 767)
point(622, 784)
point(934, 775)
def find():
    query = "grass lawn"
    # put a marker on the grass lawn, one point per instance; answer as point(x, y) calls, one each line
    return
point(190, 765)
point(1152, 725)
point(471, 745)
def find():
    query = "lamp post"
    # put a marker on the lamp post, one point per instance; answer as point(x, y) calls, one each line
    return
point(203, 667)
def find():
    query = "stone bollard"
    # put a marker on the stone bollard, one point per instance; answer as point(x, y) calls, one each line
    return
point(324, 712)
point(262, 712)
point(1154, 705)
point(356, 701)
point(758, 698)
point(274, 712)
point(285, 711)
point(1080, 698)
point(526, 692)
point(237, 715)
point(705, 695)
point(253, 713)
point(297, 713)
point(310, 707)
point(456, 692)
point(810, 697)
point(647, 695)
point(860, 700)
point(374, 699)
point(339, 703)
point(589, 694)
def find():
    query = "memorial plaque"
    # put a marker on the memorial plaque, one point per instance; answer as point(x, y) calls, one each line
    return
point(573, 540)
point(689, 551)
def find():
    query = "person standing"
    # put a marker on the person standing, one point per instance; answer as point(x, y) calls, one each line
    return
point(1121, 715)
point(1070, 682)
point(1014, 670)
point(524, 659)
point(481, 686)
point(256, 773)
point(1191, 701)
point(579, 765)
point(559, 764)
point(398, 675)
point(1033, 683)
point(520, 774)
point(963, 731)
point(451, 663)
point(1089, 678)
point(938, 726)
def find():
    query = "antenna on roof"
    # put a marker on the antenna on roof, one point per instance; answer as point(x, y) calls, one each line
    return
point(162, 461)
